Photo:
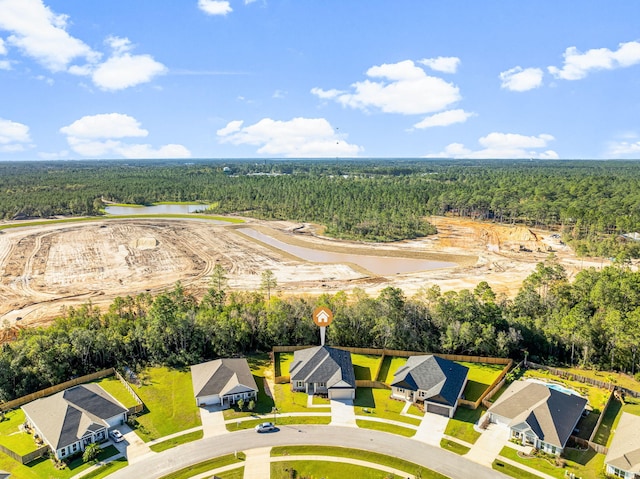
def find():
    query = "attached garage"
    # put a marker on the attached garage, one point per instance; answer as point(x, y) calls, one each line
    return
point(499, 420)
point(208, 400)
point(438, 409)
point(342, 393)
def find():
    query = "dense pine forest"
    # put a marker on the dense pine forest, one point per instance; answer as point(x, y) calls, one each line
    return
point(592, 321)
point(592, 203)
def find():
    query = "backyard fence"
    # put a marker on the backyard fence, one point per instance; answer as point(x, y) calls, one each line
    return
point(55, 389)
point(363, 383)
point(610, 385)
point(27, 458)
point(139, 407)
point(599, 448)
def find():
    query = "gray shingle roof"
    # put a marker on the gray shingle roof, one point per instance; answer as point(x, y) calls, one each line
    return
point(221, 376)
point(440, 378)
point(624, 452)
point(552, 415)
point(65, 417)
point(323, 364)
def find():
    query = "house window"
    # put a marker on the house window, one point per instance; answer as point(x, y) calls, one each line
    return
point(617, 472)
point(422, 394)
point(321, 385)
point(400, 390)
point(299, 384)
point(63, 452)
point(74, 448)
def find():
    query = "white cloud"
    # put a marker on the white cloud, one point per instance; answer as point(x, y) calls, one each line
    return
point(106, 125)
point(14, 136)
point(41, 34)
point(623, 149)
point(214, 7)
point(519, 79)
point(122, 69)
point(442, 64)
point(502, 146)
point(399, 88)
point(97, 136)
point(299, 137)
point(578, 65)
point(444, 118)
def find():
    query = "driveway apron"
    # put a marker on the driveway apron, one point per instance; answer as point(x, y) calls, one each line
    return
point(212, 419)
point(342, 413)
point(488, 445)
point(133, 448)
point(431, 429)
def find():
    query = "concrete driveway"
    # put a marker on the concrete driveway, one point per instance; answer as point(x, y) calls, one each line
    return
point(342, 413)
point(133, 448)
point(212, 419)
point(488, 445)
point(431, 429)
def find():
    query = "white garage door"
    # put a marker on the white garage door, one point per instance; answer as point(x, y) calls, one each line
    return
point(341, 394)
point(208, 400)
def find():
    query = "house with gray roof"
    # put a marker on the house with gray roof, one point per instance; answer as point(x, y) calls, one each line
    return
point(4, 475)
point(436, 382)
point(623, 458)
point(323, 370)
point(223, 382)
point(71, 419)
point(538, 415)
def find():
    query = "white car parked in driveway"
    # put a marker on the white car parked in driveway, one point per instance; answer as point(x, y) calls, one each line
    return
point(116, 435)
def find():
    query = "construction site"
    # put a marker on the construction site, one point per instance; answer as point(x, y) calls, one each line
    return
point(44, 268)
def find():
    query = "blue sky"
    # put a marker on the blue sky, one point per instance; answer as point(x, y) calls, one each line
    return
point(319, 78)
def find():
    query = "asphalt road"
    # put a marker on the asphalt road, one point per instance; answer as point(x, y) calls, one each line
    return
point(452, 465)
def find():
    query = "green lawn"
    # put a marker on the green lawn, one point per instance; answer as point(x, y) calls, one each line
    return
point(390, 364)
point(612, 416)
point(168, 397)
point(369, 456)
point(619, 379)
point(237, 473)
point(512, 471)
point(12, 438)
point(279, 421)
point(282, 363)
point(324, 469)
point(378, 403)
point(480, 377)
point(43, 468)
point(289, 401)
point(205, 466)
point(365, 366)
point(454, 447)
point(176, 441)
point(385, 427)
point(108, 468)
point(584, 464)
point(461, 424)
point(114, 387)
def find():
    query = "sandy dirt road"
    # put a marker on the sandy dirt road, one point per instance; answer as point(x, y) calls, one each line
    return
point(44, 268)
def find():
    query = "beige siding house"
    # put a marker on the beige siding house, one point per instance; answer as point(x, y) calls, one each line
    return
point(71, 419)
point(223, 382)
point(538, 415)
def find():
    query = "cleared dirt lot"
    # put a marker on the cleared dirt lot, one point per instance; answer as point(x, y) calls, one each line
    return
point(43, 268)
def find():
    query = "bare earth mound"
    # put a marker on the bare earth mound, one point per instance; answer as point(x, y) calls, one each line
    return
point(43, 268)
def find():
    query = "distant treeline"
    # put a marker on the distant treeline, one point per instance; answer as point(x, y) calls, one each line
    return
point(592, 321)
point(591, 202)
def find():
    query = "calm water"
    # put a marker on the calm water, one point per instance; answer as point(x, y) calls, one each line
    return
point(381, 265)
point(155, 210)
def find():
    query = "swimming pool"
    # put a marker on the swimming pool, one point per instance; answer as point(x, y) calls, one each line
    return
point(557, 387)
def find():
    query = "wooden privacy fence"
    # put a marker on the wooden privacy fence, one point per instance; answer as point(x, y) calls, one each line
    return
point(55, 389)
point(599, 448)
point(583, 379)
point(27, 458)
point(139, 407)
